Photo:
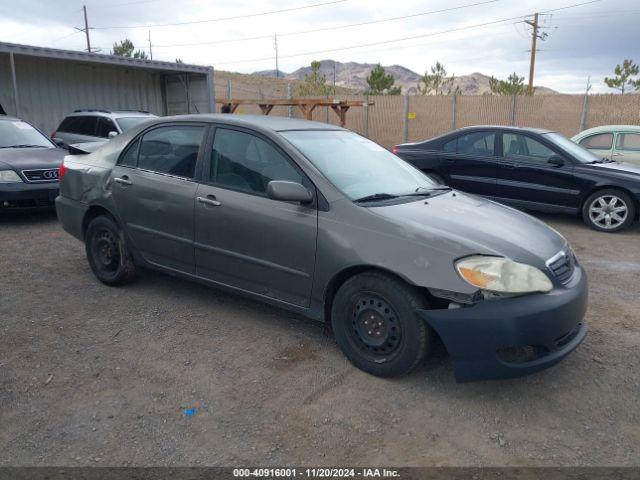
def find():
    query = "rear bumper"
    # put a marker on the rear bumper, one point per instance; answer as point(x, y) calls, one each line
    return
point(71, 215)
point(514, 336)
point(26, 196)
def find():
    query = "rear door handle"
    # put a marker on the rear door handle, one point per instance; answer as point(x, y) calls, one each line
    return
point(209, 200)
point(508, 165)
point(124, 180)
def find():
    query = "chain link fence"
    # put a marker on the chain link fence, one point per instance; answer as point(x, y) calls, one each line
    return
point(395, 119)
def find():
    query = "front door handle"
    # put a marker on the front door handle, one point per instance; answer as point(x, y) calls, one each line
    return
point(618, 154)
point(124, 180)
point(209, 200)
point(508, 165)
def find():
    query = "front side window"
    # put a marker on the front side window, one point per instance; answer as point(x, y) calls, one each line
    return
point(245, 162)
point(105, 125)
point(601, 141)
point(18, 133)
point(628, 141)
point(172, 150)
point(357, 166)
point(522, 146)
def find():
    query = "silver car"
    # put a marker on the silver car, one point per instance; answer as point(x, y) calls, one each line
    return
point(321, 221)
point(84, 126)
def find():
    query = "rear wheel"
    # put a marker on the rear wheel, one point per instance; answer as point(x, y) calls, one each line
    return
point(609, 210)
point(374, 321)
point(107, 252)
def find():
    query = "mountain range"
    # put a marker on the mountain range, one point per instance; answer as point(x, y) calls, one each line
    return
point(353, 75)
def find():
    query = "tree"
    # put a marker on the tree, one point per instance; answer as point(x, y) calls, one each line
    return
point(513, 85)
point(380, 83)
point(437, 82)
point(624, 76)
point(314, 83)
point(125, 49)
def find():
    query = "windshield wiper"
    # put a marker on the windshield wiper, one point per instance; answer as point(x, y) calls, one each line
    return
point(24, 146)
point(443, 188)
point(376, 196)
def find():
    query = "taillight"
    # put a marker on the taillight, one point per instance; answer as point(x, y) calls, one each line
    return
point(53, 134)
point(61, 171)
point(395, 150)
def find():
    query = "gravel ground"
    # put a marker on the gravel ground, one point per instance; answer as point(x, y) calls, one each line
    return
point(92, 375)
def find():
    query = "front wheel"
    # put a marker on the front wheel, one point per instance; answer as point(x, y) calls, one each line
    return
point(609, 211)
point(107, 252)
point(374, 321)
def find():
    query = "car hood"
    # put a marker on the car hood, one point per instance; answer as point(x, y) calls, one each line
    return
point(31, 158)
point(622, 167)
point(467, 225)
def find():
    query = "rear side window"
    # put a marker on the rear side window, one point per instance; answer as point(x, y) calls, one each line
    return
point(628, 141)
point(80, 125)
point(601, 141)
point(130, 157)
point(480, 144)
point(172, 150)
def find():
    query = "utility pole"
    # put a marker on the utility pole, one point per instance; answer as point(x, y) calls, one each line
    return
point(535, 35)
point(275, 46)
point(150, 49)
point(86, 28)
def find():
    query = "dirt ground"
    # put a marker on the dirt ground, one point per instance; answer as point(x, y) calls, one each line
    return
point(92, 375)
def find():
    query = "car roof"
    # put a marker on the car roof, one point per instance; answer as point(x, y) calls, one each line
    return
point(110, 113)
point(504, 127)
point(609, 129)
point(266, 122)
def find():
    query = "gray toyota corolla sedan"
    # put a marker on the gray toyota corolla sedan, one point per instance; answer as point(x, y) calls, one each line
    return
point(319, 220)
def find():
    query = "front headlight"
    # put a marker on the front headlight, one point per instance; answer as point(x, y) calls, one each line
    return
point(502, 275)
point(9, 176)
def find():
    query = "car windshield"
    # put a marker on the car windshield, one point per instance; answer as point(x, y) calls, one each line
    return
point(19, 134)
point(127, 123)
point(577, 151)
point(358, 167)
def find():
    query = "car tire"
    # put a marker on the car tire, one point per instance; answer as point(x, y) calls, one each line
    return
point(107, 252)
point(609, 210)
point(374, 321)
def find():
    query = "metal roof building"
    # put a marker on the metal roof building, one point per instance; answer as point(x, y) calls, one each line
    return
point(42, 85)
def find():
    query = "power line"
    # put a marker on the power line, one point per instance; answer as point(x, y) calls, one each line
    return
point(323, 29)
point(237, 17)
point(337, 27)
point(395, 40)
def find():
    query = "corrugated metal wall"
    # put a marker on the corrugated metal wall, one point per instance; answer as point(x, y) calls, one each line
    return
point(48, 89)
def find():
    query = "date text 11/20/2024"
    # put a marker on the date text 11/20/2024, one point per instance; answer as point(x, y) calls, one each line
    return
point(316, 472)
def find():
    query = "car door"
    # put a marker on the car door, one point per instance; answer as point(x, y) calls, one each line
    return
point(470, 162)
point(627, 148)
point(243, 238)
point(154, 190)
point(600, 144)
point(526, 178)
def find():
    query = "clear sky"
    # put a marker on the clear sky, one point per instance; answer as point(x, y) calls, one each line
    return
point(586, 40)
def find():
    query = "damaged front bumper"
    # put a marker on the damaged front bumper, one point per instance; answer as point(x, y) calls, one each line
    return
point(511, 337)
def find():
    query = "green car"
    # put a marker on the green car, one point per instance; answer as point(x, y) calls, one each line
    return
point(616, 142)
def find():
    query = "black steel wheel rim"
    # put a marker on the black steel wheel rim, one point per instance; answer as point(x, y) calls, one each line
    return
point(374, 328)
point(106, 251)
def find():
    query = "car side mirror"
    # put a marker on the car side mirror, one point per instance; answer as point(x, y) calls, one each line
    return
point(556, 160)
point(288, 191)
point(112, 134)
point(58, 141)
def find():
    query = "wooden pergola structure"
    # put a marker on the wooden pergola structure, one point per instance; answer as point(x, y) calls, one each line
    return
point(306, 105)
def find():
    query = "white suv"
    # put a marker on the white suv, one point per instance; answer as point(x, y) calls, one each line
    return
point(84, 126)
